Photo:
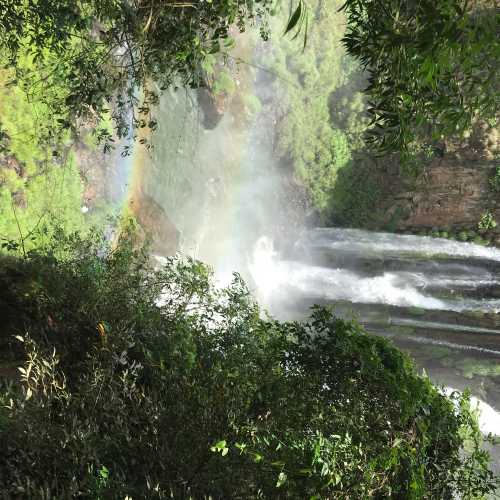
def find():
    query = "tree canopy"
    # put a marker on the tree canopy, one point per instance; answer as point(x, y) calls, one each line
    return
point(432, 65)
point(105, 52)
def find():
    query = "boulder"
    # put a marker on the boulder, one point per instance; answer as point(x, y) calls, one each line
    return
point(213, 107)
point(154, 225)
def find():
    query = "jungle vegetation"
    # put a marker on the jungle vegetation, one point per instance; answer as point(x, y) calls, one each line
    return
point(322, 116)
point(144, 380)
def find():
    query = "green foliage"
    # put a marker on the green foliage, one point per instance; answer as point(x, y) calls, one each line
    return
point(52, 196)
point(487, 221)
point(152, 383)
point(319, 169)
point(28, 120)
point(432, 67)
point(495, 180)
point(39, 178)
point(92, 55)
point(463, 236)
point(323, 107)
point(356, 194)
point(224, 83)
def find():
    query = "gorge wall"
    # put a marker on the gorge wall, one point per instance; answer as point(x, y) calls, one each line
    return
point(451, 193)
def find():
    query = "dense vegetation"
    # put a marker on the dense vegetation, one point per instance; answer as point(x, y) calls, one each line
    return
point(145, 382)
point(104, 52)
point(432, 67)
point(322, 116)
point(39, 178)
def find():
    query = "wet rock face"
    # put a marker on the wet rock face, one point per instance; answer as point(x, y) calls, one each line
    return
point(213, 107)
point(154, 226)
point(452, 194)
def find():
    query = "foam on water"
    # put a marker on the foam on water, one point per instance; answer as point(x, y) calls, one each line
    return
point(275, 277)
point(368, 242)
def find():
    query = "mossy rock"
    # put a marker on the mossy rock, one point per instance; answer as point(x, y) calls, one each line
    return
point(402, 330)
point(462, 236)
point(416, 311)
point(474, 314)
point(472, 367)
point(478, 240)
point(444, 234)
point(471, 235)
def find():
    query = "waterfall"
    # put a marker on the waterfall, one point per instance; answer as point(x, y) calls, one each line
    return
point(388, 280)
point(373, 243)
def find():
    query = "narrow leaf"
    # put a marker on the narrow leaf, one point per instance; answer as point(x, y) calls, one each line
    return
point(294, 19)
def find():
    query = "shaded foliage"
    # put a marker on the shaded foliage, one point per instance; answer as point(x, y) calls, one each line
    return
point(432, 67)
point(150, 382)
point(356, 195)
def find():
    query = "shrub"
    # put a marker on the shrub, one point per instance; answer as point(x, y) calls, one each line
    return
point(151, 383)
point(224, 83)
point(495, 180)
point(487, 221)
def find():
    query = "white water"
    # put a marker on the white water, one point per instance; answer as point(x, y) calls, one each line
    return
point(367, 242)
point(276, 277)
point(488, 417)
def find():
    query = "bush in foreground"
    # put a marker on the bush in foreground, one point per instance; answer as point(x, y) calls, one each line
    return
point(151, 383)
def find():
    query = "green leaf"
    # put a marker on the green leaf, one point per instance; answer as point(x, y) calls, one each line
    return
point(282, 477)
point(294, 18)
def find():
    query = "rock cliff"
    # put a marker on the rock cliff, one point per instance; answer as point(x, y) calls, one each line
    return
point(453, 192)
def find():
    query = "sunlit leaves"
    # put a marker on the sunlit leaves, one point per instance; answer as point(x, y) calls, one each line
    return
point(115, 55)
